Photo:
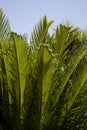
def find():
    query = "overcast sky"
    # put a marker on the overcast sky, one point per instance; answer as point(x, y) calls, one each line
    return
point(24, 14)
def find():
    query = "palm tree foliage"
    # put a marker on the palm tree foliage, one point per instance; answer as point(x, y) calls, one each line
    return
point(43, 84)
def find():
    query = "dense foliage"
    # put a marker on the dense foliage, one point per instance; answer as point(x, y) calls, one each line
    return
point(43, 84)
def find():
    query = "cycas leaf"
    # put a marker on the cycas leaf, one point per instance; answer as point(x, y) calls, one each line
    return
point(36, 90)
point(76, 116)
point(39, 63)
point(4, 99)
point(40, 32)
point(77, 82)
point(15, 59)
point(71, 65)
point(62, 74)
point(63, 37)
point(4, 26)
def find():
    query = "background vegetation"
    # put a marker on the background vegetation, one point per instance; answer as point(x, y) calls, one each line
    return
point(43, 84)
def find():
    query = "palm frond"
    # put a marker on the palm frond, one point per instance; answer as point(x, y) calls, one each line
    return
point(4, 97)
point(4, 26)
point(63, 71)
point(15, 58)
point(39, 60)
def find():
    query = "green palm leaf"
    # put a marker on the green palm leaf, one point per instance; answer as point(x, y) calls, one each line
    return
point(4, 26)
point(66, 63)
point(15, 59)
point(4, 100)
point(39, 60)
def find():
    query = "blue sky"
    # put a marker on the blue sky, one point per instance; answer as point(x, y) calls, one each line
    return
point(24, 14)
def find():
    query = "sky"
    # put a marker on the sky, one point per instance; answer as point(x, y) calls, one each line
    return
point(24, 14)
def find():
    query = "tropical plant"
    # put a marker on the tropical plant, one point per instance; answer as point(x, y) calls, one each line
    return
point(43, 84)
